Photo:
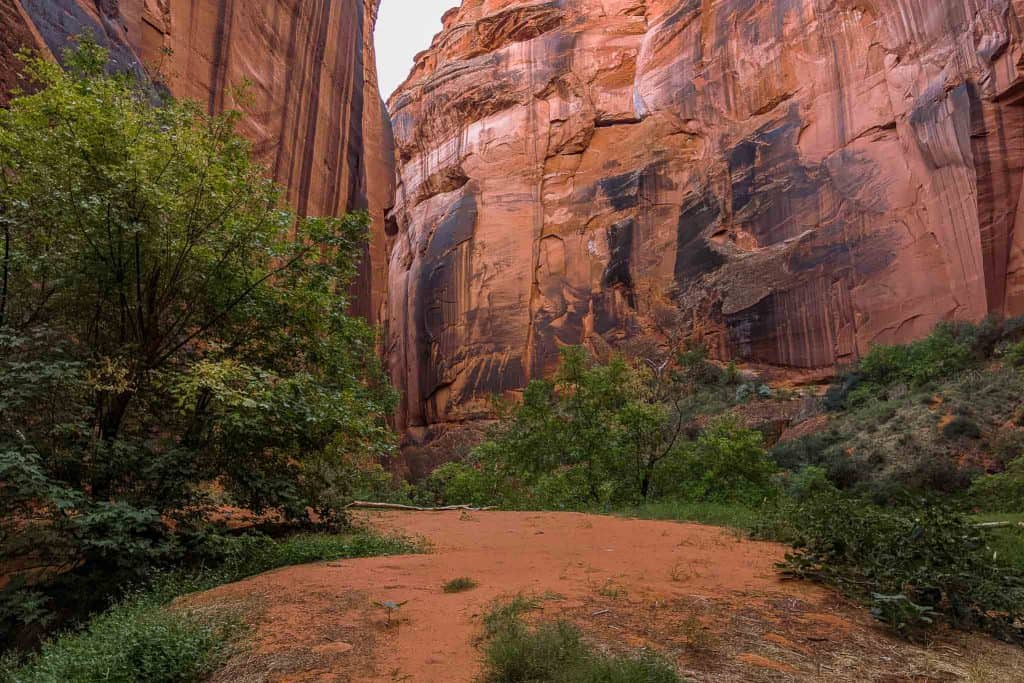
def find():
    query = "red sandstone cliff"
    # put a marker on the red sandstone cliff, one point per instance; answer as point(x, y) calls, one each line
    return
point(788, 180)
point(314, 111)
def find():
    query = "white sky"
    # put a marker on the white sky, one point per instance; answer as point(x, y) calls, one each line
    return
point(405, 28)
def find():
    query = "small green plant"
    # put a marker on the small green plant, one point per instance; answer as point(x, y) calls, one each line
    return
point(503, 615)
point(699, 638)
point(556, 653)
point(611, 589)
point(900, 612)
point(460, 585)
point(136, 641)
point(390, 606)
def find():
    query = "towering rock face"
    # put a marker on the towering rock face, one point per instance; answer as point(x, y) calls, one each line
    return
point(790, 181)
point(312, 105)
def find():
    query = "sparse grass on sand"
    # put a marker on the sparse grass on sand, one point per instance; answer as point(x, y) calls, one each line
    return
point(556, 651)
point(144, 638)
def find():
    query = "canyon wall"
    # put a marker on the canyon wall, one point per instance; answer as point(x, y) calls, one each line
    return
point(788, 181)
point(312, 107)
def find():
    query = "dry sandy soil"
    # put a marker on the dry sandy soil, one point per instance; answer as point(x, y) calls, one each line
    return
point(701, 596)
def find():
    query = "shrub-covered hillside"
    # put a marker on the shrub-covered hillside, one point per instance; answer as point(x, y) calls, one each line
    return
point(928, 417)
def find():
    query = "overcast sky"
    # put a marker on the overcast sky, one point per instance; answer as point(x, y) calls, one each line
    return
point(405, 28)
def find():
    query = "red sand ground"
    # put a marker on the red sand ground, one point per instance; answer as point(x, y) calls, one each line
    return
point(701, 596)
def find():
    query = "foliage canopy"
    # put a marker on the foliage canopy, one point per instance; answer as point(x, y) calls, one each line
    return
point(170, 336)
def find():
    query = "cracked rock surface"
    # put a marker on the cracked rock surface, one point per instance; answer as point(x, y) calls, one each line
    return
point(789, 181)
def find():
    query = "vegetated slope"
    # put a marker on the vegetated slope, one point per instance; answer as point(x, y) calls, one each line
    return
point(710, 602)
point(924, 418)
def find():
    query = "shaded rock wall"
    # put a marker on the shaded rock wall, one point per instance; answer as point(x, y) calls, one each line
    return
point(313, 109)
point(789, 181)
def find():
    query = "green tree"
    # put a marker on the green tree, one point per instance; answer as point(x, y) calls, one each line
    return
point(613, 433)
point(165, 323)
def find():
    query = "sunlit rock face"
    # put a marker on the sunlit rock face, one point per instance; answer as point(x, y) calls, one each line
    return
point(789, 181)
point(311, 100)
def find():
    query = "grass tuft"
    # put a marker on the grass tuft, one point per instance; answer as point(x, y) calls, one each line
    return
point(460, 585)
point(556, 653)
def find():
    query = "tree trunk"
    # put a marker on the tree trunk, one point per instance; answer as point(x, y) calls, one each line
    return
point(6, 269)
point(645, 485)
point(112, 409)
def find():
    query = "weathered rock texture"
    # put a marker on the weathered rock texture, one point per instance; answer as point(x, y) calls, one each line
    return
point(312, 107)
point(790, 181)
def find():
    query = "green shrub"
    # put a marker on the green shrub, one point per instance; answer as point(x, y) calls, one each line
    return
point(961, 427)
point(598, 435)
point(1007, 444)
point(1000, 492)
point(1005, 543)
point(557, 653)
point(1014, 355)
point(808, 484)
point(949, 349)
point(466, 483)
point(506, 616)
point(934, 558)
point(795, 454)
point(135, 641)
point(728, 464)
point(460, 585)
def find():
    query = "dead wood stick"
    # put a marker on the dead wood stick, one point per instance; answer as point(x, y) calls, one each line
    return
point(998, 525)
point(412, 508)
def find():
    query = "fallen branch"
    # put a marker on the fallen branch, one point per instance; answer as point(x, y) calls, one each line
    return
point(998, 525)
point(412, 508)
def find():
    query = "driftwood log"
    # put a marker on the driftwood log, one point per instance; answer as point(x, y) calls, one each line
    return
point(412, 508)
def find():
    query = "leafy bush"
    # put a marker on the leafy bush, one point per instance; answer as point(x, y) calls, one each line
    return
point(948, 349)
point(728, 464)
point(164, 323)
point(557, 653)
point(135, 641)
point(808, 484)
point(935, 559)
point(951, 348)
point(1000, 492)
point(795, 454)
point(961, 427)
point(1014, 355)
point(604, 434)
